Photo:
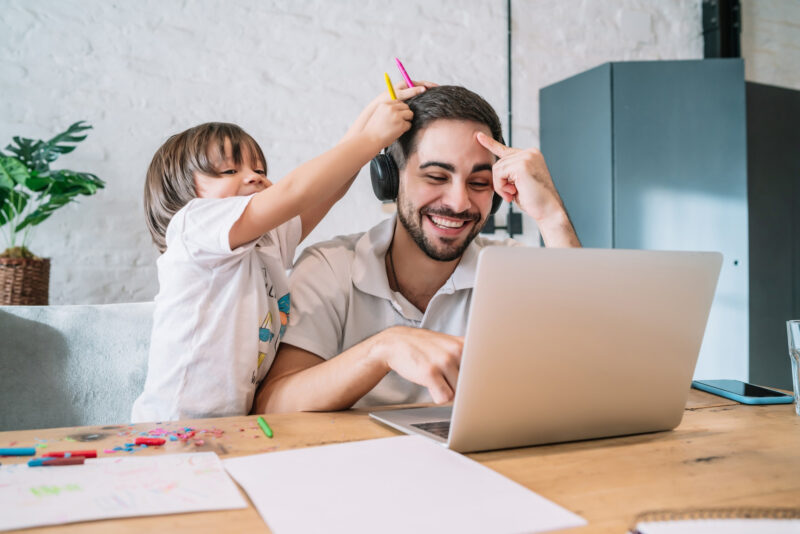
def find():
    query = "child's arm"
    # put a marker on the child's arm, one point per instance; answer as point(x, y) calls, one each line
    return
point(321, 177)
point(312, 215)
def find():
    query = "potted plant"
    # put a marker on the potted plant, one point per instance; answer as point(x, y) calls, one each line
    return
point(30, 191)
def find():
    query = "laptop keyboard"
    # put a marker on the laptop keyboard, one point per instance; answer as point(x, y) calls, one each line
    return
point(437, 428)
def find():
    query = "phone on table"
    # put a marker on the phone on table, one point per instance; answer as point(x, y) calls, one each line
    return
point(742, 392)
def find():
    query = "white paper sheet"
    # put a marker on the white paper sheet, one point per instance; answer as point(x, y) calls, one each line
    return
point(114, 487)
point(401, 484)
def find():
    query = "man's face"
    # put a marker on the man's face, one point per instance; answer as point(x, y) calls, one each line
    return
point(445, 191)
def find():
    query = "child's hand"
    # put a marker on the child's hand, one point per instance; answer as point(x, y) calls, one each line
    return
point(389, 120)
point(403, 93)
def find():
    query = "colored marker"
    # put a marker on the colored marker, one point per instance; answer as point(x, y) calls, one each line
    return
point(403, 73)
point(18, 451)
point(389, 85)
point(68, 454)
point(150, 441)
point(47, 462)
point(263, 424)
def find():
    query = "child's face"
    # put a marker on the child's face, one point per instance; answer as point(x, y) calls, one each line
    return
point(233, 180)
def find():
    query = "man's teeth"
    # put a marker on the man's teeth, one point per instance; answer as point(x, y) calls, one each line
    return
point(446, 223)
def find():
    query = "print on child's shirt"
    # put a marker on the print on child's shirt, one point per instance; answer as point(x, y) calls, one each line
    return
point(267, 328)
point(265, 332)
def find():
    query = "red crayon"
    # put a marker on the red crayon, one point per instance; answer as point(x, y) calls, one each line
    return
point(64, 454)
point(150, 441)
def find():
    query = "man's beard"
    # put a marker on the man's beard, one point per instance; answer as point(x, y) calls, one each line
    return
point(412, 222)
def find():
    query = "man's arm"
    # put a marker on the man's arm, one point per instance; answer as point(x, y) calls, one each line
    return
point(301, 381)
point(521, 176)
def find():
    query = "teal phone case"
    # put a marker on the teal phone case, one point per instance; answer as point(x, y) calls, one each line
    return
point(782, 399)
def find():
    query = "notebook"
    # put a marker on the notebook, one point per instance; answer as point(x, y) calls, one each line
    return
point(719, 521)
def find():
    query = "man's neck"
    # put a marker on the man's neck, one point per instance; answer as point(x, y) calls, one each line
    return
point(412, 272)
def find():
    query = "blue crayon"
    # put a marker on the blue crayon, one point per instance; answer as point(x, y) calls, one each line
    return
point(18, 451)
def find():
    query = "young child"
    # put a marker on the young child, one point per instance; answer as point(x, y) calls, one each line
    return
point(228, 236)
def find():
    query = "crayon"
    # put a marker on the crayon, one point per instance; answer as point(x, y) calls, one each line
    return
point(264, 426)
point(67, 454)
point(389, 86)
point(18, 451)
point(150, 441)
point(403, 73)
point(47, 462)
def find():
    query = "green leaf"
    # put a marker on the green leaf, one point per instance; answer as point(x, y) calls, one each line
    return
point(83, 183)
point(65, 142)
point(27, 182)
point(44, 211)
point(37, 154)
point(26, 150)
point(12, 172)
point(37, 182)
point(4, 194)
point(13, 203)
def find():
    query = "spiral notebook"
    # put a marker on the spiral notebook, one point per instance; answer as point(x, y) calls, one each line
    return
point(719, 521)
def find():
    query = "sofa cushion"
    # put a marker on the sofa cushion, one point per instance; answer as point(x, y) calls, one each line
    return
point(72, 365)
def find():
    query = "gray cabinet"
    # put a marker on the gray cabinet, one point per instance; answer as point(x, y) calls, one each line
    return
point(654, 155)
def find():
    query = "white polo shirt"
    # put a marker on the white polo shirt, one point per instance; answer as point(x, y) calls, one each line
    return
point(341, 296)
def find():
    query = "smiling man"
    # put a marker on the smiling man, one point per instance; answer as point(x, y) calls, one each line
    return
point(379, 317)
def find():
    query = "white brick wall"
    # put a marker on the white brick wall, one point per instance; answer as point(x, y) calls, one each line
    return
point(771, 42)
point(292, 73)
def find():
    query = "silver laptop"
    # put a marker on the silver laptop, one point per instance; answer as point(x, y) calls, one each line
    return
point(572, 344)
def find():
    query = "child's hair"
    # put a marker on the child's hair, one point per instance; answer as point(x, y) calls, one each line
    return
point(169, 185)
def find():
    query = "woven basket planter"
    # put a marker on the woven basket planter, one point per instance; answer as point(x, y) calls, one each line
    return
point(24, 282)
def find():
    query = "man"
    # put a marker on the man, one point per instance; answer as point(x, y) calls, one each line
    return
point(379, 317)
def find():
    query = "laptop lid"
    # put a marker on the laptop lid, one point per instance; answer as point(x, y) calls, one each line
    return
point(569, 344)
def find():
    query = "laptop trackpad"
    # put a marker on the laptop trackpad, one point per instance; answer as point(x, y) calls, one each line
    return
point(434, 420)
point(437, 428)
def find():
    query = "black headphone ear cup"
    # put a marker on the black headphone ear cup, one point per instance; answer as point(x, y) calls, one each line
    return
point(497, 201)
point(384, 176)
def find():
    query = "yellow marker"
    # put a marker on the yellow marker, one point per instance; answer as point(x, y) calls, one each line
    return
point(389, 85)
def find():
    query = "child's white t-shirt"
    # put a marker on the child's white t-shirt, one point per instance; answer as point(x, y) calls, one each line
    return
point(219, 314)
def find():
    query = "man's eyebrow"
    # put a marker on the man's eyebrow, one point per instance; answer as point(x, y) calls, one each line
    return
point(445, 166)
point(448, 167)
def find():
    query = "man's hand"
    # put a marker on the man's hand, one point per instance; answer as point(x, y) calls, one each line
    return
point(522, 176)
point(301, 380)
point(430, 359)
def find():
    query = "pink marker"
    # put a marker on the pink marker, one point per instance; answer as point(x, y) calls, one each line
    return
point(403, 73)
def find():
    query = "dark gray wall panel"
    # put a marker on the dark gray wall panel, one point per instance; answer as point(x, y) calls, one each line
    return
point(575, 126)
point(773, 140)
point(678, 180)
point(678, 126)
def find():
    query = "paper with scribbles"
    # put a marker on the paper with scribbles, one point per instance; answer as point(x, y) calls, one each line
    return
point(115, 487)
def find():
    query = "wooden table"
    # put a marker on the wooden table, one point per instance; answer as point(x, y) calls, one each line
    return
point(723, 454)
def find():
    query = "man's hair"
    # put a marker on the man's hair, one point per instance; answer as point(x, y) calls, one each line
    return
point(443, 102)
point(169, 184)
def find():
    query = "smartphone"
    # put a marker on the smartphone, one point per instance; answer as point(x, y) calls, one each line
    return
point(742, 392)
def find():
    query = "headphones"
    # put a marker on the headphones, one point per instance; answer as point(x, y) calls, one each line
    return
point(386, 178)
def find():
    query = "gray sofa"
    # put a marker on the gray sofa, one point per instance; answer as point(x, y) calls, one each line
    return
point(72, 365)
